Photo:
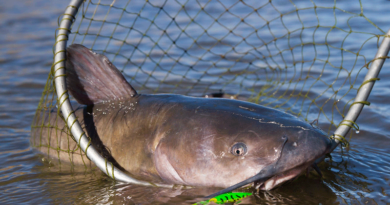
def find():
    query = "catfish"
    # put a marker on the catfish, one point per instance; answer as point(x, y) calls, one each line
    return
point(176, 139)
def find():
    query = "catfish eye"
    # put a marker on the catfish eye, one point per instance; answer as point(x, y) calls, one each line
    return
point(239, 149)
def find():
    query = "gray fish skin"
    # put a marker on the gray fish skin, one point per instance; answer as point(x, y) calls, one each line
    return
point(176, 139)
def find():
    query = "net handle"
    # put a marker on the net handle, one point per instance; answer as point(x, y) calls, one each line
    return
point(363, 92)
point(66, 108)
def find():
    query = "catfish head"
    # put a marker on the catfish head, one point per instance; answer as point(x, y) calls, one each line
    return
point(222, 142)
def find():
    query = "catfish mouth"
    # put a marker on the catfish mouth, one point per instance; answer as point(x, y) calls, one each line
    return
point(279, 178)
point(266, 179)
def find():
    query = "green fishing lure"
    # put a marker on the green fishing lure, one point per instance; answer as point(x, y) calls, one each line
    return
point(226, 198)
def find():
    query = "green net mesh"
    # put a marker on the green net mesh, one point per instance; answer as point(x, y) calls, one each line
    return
point(305, 57)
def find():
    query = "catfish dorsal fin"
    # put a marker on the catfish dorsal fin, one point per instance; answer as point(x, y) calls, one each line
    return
point(92, 78)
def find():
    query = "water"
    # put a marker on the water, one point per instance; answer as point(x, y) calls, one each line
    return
point(358, 175)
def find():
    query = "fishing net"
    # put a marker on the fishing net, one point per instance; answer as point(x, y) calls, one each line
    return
point(308, 58)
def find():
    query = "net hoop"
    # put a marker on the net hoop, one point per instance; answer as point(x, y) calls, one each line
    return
point(64, 30)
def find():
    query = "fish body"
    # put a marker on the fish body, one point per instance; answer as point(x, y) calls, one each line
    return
point(177, 139)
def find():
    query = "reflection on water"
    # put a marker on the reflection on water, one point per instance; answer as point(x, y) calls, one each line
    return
point(358, 175)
